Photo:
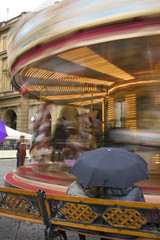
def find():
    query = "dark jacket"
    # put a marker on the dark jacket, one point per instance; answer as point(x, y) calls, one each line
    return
point(131, 193)
point(60, 137)
point(17, 148)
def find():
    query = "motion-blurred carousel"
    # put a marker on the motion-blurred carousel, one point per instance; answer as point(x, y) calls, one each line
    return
point(91, 54)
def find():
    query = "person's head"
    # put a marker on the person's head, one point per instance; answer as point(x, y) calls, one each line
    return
point(22, 138)
point(93, 192)
point(98, 191)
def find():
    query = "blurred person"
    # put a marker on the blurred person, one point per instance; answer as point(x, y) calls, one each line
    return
point(42, 134)
point(32, 150)
point(73, 146)
point(59, 139)
point(33, 147)
point(60, 135)
point(86, 130)
point(21, 151)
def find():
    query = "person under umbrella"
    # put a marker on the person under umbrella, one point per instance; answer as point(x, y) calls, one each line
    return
point(110, 167)
point(115, 170)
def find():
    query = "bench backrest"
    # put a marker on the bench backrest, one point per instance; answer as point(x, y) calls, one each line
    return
point(20, 204)
point(131, 218)
point(121, 217)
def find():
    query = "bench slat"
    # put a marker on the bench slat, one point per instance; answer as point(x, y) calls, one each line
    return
point(20, 218)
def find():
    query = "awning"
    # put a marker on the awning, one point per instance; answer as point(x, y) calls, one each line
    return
point(14, 134)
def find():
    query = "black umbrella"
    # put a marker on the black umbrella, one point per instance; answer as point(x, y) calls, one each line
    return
point(110, 167)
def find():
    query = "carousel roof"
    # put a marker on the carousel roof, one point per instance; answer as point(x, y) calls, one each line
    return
point(78, 52)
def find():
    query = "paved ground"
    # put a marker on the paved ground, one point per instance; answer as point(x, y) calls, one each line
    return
point(16, 230)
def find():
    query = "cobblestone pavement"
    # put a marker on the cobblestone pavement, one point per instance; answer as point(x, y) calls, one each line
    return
point(16, 230)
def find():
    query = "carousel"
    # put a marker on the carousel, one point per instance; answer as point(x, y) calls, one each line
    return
point(94, 55)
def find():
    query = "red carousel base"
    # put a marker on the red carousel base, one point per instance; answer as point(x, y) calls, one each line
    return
point(54, 179)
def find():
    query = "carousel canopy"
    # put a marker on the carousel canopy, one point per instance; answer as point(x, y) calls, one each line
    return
point(80, 52)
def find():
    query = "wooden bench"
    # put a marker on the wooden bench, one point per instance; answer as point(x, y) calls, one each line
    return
point(25, 206)
point(97, 217)
point(88, 216)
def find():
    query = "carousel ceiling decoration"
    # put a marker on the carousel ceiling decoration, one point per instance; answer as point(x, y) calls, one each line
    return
point(44, 74)
point(87, 102)
point(80, 52)
point(89, 59)
point(61, 89)
point(82, 96)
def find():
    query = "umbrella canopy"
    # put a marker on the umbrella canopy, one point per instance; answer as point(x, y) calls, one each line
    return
point(110, 167)
point(3, 133)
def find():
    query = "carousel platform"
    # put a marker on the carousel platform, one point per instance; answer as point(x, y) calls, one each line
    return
point(151, 188)
point(53, 178)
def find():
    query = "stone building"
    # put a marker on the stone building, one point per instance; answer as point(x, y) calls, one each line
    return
point(12, 111)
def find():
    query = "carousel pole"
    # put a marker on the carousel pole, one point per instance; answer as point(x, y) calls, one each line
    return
point(91, 101)
point(104, 115)
point(42, 90)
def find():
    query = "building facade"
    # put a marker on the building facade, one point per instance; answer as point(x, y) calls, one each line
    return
point(16, 114)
